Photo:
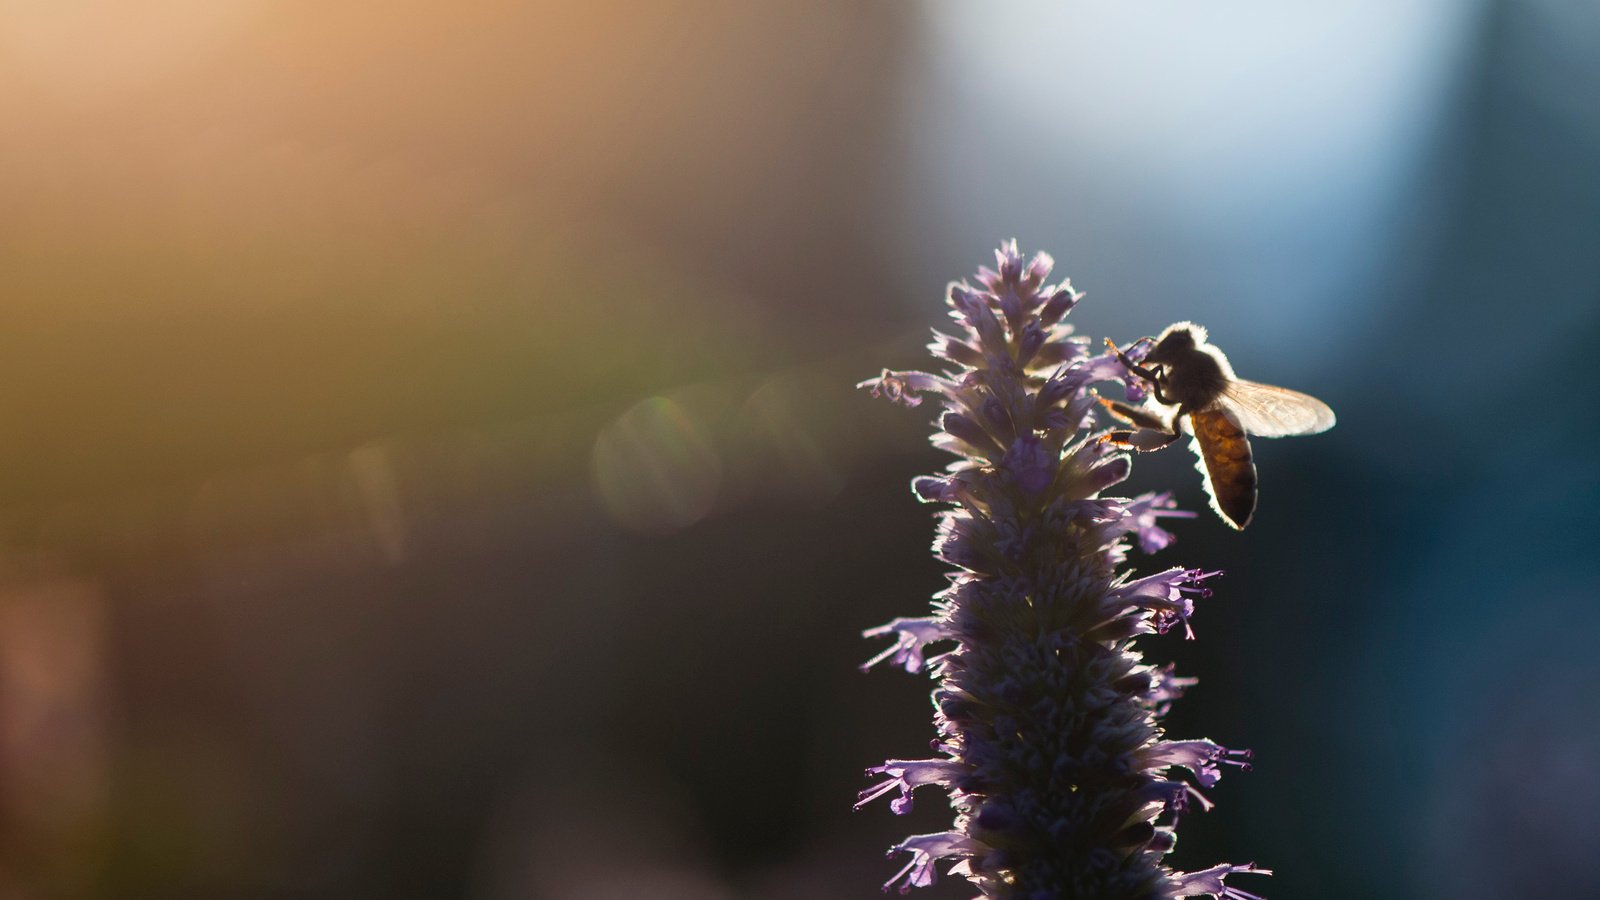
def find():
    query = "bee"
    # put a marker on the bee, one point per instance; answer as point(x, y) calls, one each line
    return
point(1222, 411)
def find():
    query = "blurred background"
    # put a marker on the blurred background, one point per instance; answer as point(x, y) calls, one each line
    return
point(429, 465)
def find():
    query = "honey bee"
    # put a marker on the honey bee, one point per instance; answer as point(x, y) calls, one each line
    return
point(1187, 372)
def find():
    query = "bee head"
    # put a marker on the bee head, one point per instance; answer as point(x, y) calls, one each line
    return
point(1178, 339)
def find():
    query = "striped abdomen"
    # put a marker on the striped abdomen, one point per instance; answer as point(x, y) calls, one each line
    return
point(1224, 451)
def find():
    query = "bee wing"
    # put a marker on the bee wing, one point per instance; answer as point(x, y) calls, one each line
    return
point(1271, 411)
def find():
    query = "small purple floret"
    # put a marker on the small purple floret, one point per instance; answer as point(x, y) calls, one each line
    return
point(1144, 512)
point(927, 849)
point(908, 775)
point(903, 387)
point(1208, 882)
point(911, 636)
point(1202, 758)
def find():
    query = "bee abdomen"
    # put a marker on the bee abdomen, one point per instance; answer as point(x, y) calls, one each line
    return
point(1224, 452)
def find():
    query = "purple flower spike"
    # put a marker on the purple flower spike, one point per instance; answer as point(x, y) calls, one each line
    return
point(1050, 745)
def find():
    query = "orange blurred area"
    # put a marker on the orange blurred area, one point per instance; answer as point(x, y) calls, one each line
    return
point(243, 230)
point(300, 296)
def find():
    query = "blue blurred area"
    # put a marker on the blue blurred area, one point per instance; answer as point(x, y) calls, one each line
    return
point(1244, 165)
point(1397, 208)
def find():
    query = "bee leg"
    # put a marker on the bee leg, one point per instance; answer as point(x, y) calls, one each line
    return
point(1143, 440)
point(1132, 366)
point(1133, 415)
point(1155, 375)
point(1155, 388)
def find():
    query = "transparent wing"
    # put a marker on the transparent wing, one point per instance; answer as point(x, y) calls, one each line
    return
point(1271, 411)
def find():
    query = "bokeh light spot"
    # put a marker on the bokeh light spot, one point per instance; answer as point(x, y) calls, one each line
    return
point(373, 471)
point(783, 416)
point(655, 469)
